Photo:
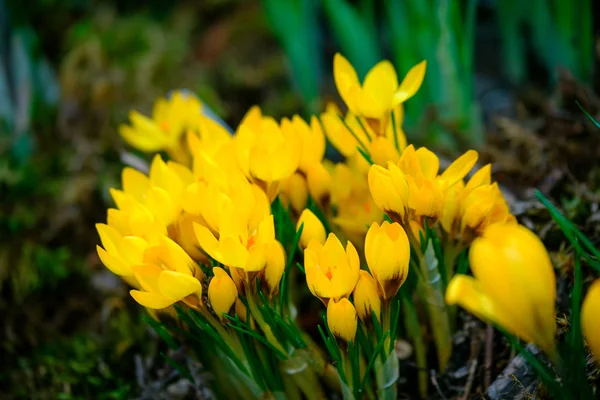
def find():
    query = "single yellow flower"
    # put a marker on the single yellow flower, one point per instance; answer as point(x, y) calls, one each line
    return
point(294, 192)
point(266, 153)
point(171, 118)
point(590, 323)
point(342, 319)
point(319, 183)
point(387, 251)
point(168, 275)
point(237, 246)
point(513, 284)
point(366, 298)
point(380, 92)
point(222, 292)
point(160, 192)
point(312, 140)
point(390, 192)
point(270, 277)
point(120, 252)
point(208, 199)
point(484, 206)
point(312, 229)
point(331, 272)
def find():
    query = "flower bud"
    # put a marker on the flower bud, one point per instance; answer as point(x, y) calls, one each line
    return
point(312, 228)
point(590, 323)
point(271, 275)
point(294, 191)
point(387, 252)
point(222, 292)
point(319, 182)
point(513, 284)
point(331, 271)
point(366, 298)
point(389, 189)
point(342, 319)
point(383, 151)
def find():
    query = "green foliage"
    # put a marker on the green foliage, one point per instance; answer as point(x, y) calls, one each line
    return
point(295, 25)
point(561, 35)
point(81, 366)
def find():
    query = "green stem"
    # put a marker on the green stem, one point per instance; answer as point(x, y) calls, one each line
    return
point(266, 328)
point(413, 329)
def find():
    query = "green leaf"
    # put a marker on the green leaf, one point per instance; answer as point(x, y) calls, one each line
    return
point(161, 331)
point(355, 34)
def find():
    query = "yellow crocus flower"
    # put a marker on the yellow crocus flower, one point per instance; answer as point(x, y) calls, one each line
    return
point(171, 118)
point(387, 251)
point(222, 293)
point(160, 192)
point(266, 153)
point(294, 192)
point(168, 275)
point(366, 298)
point(319, 183)
point(380, 92)
point(331, 271)
point(120, 252)
point(237, 246)
point(590, 323)
point(482, 207)
point(312, 229)
point(513, 284)
point(312, 140)
point(208, 198)
point(342, 319)
point(270, 277)
point(389, 189)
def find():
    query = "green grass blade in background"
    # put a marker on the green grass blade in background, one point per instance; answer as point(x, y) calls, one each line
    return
point(355, 34)
point(294, 23)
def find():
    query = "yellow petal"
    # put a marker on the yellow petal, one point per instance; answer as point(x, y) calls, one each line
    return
point(207, 240)
point(460, 167)
point(381, 83)
point(411, 83)
point(113, 263)
point(345, 77)
point(366, 298)
point(312, 228)
point(590, 323)
point(151, 300)
point(175, 285)
point(429, 162)
point(222, 292)
point(482, 177)
point(134, 182)
point(342, 319)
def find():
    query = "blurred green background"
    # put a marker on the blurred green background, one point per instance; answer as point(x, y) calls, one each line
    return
point(71, 70)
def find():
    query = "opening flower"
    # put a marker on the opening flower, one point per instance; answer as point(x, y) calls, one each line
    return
point(513, 284)
point(331, 271)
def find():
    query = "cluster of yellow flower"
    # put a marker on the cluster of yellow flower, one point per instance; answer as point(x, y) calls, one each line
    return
point(212, 207)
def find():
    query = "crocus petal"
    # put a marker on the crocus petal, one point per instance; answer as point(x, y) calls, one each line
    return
point(151, 300)
point(460, 167)
point(176, 285)
point(411, 83)
point(114, 264)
